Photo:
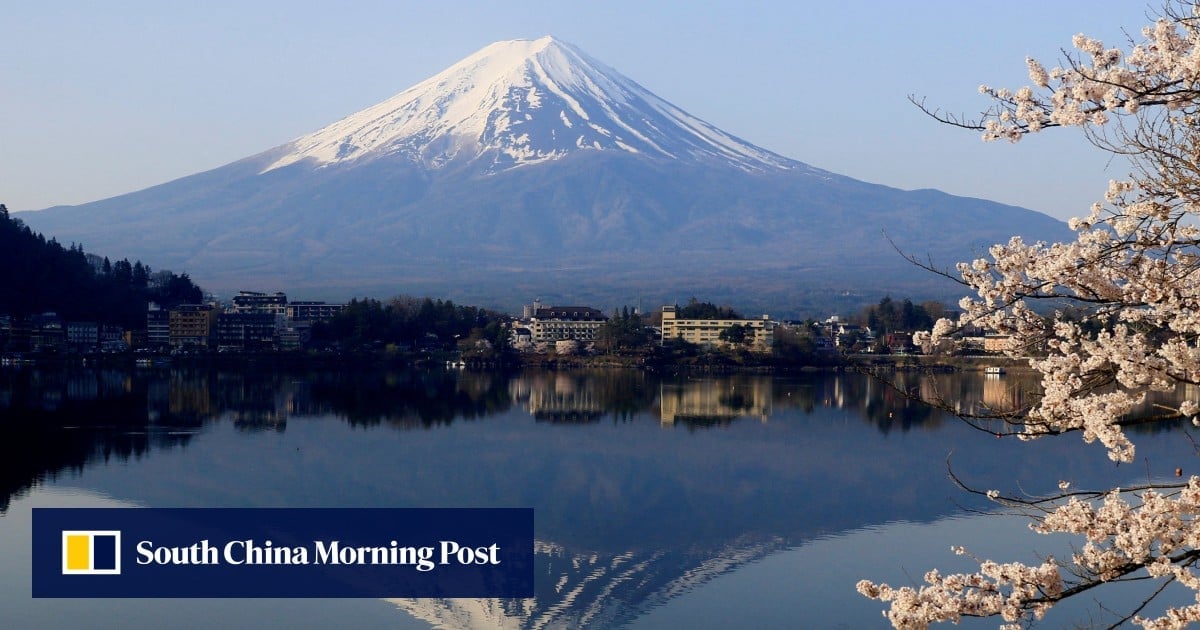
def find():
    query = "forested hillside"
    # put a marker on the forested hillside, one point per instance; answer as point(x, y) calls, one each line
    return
point(39, 275)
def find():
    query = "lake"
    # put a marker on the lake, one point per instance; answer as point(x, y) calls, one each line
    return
point(661, 501)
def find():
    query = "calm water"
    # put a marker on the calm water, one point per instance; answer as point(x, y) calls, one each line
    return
point(660, 502)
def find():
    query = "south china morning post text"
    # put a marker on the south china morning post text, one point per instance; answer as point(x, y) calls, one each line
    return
point(237, 552)
point(282, 552)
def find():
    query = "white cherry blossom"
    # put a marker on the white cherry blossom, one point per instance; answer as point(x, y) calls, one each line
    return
point(1127, 290)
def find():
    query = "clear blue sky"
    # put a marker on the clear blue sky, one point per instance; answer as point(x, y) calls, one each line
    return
point(104, 98)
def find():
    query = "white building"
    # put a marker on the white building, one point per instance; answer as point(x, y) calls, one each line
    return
point(581, 323)
point(708, 331)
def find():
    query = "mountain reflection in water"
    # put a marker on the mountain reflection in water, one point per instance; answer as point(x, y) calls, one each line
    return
point(645, 487)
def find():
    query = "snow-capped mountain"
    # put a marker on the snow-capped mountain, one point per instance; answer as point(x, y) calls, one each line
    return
point(530, 169)
point(521, 102)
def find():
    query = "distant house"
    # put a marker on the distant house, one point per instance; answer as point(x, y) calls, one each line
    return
point(158, 326)
point(192, 325)
point(998, 343)
point(555, 323)
point(246, 331)
point(312, 311)
point(47, 333)
point(256, 302)
point(15, 334)
point(899, 342)
point(843, 334)
point(111, 333)
point(761, 332)
point(522, 338)
point(83, 336)
point(259, 320)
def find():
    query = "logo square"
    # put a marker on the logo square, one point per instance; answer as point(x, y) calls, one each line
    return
point(91, 552)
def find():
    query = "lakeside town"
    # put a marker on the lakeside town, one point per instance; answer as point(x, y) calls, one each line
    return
point(261, 322)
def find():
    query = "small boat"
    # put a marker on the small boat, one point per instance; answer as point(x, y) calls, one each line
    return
point(993, 370)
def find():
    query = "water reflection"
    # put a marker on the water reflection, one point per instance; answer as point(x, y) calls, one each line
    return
point(632, 512)
point(715, 401)
point(583, 396)
point(404, 400)
point(63, 421)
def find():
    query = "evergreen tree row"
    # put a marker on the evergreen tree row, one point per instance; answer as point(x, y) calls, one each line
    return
point(41, 275)
point(891, 316)
point(410, 322)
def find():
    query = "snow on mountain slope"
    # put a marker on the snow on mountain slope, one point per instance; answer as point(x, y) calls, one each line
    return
point(521, 102)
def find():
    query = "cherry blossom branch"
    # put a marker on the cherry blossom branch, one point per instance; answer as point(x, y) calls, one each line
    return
point(1125, 327)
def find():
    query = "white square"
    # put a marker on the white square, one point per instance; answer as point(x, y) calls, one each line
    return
point(91, 535)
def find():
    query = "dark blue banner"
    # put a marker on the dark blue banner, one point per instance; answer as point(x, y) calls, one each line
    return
point(154, 552)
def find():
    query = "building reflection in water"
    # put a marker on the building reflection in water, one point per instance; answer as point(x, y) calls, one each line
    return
point(560, 397)
point(266, 401)
point(1003, 396)
point(715, 401)
point(583, 396)
point(588, 396)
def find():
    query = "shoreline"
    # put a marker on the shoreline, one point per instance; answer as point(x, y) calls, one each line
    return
point(715, 363)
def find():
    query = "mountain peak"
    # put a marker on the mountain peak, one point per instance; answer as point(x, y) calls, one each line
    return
point(520, 47)
point(519, 102)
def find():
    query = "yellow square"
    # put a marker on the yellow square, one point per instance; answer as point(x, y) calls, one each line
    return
point(79, 553)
